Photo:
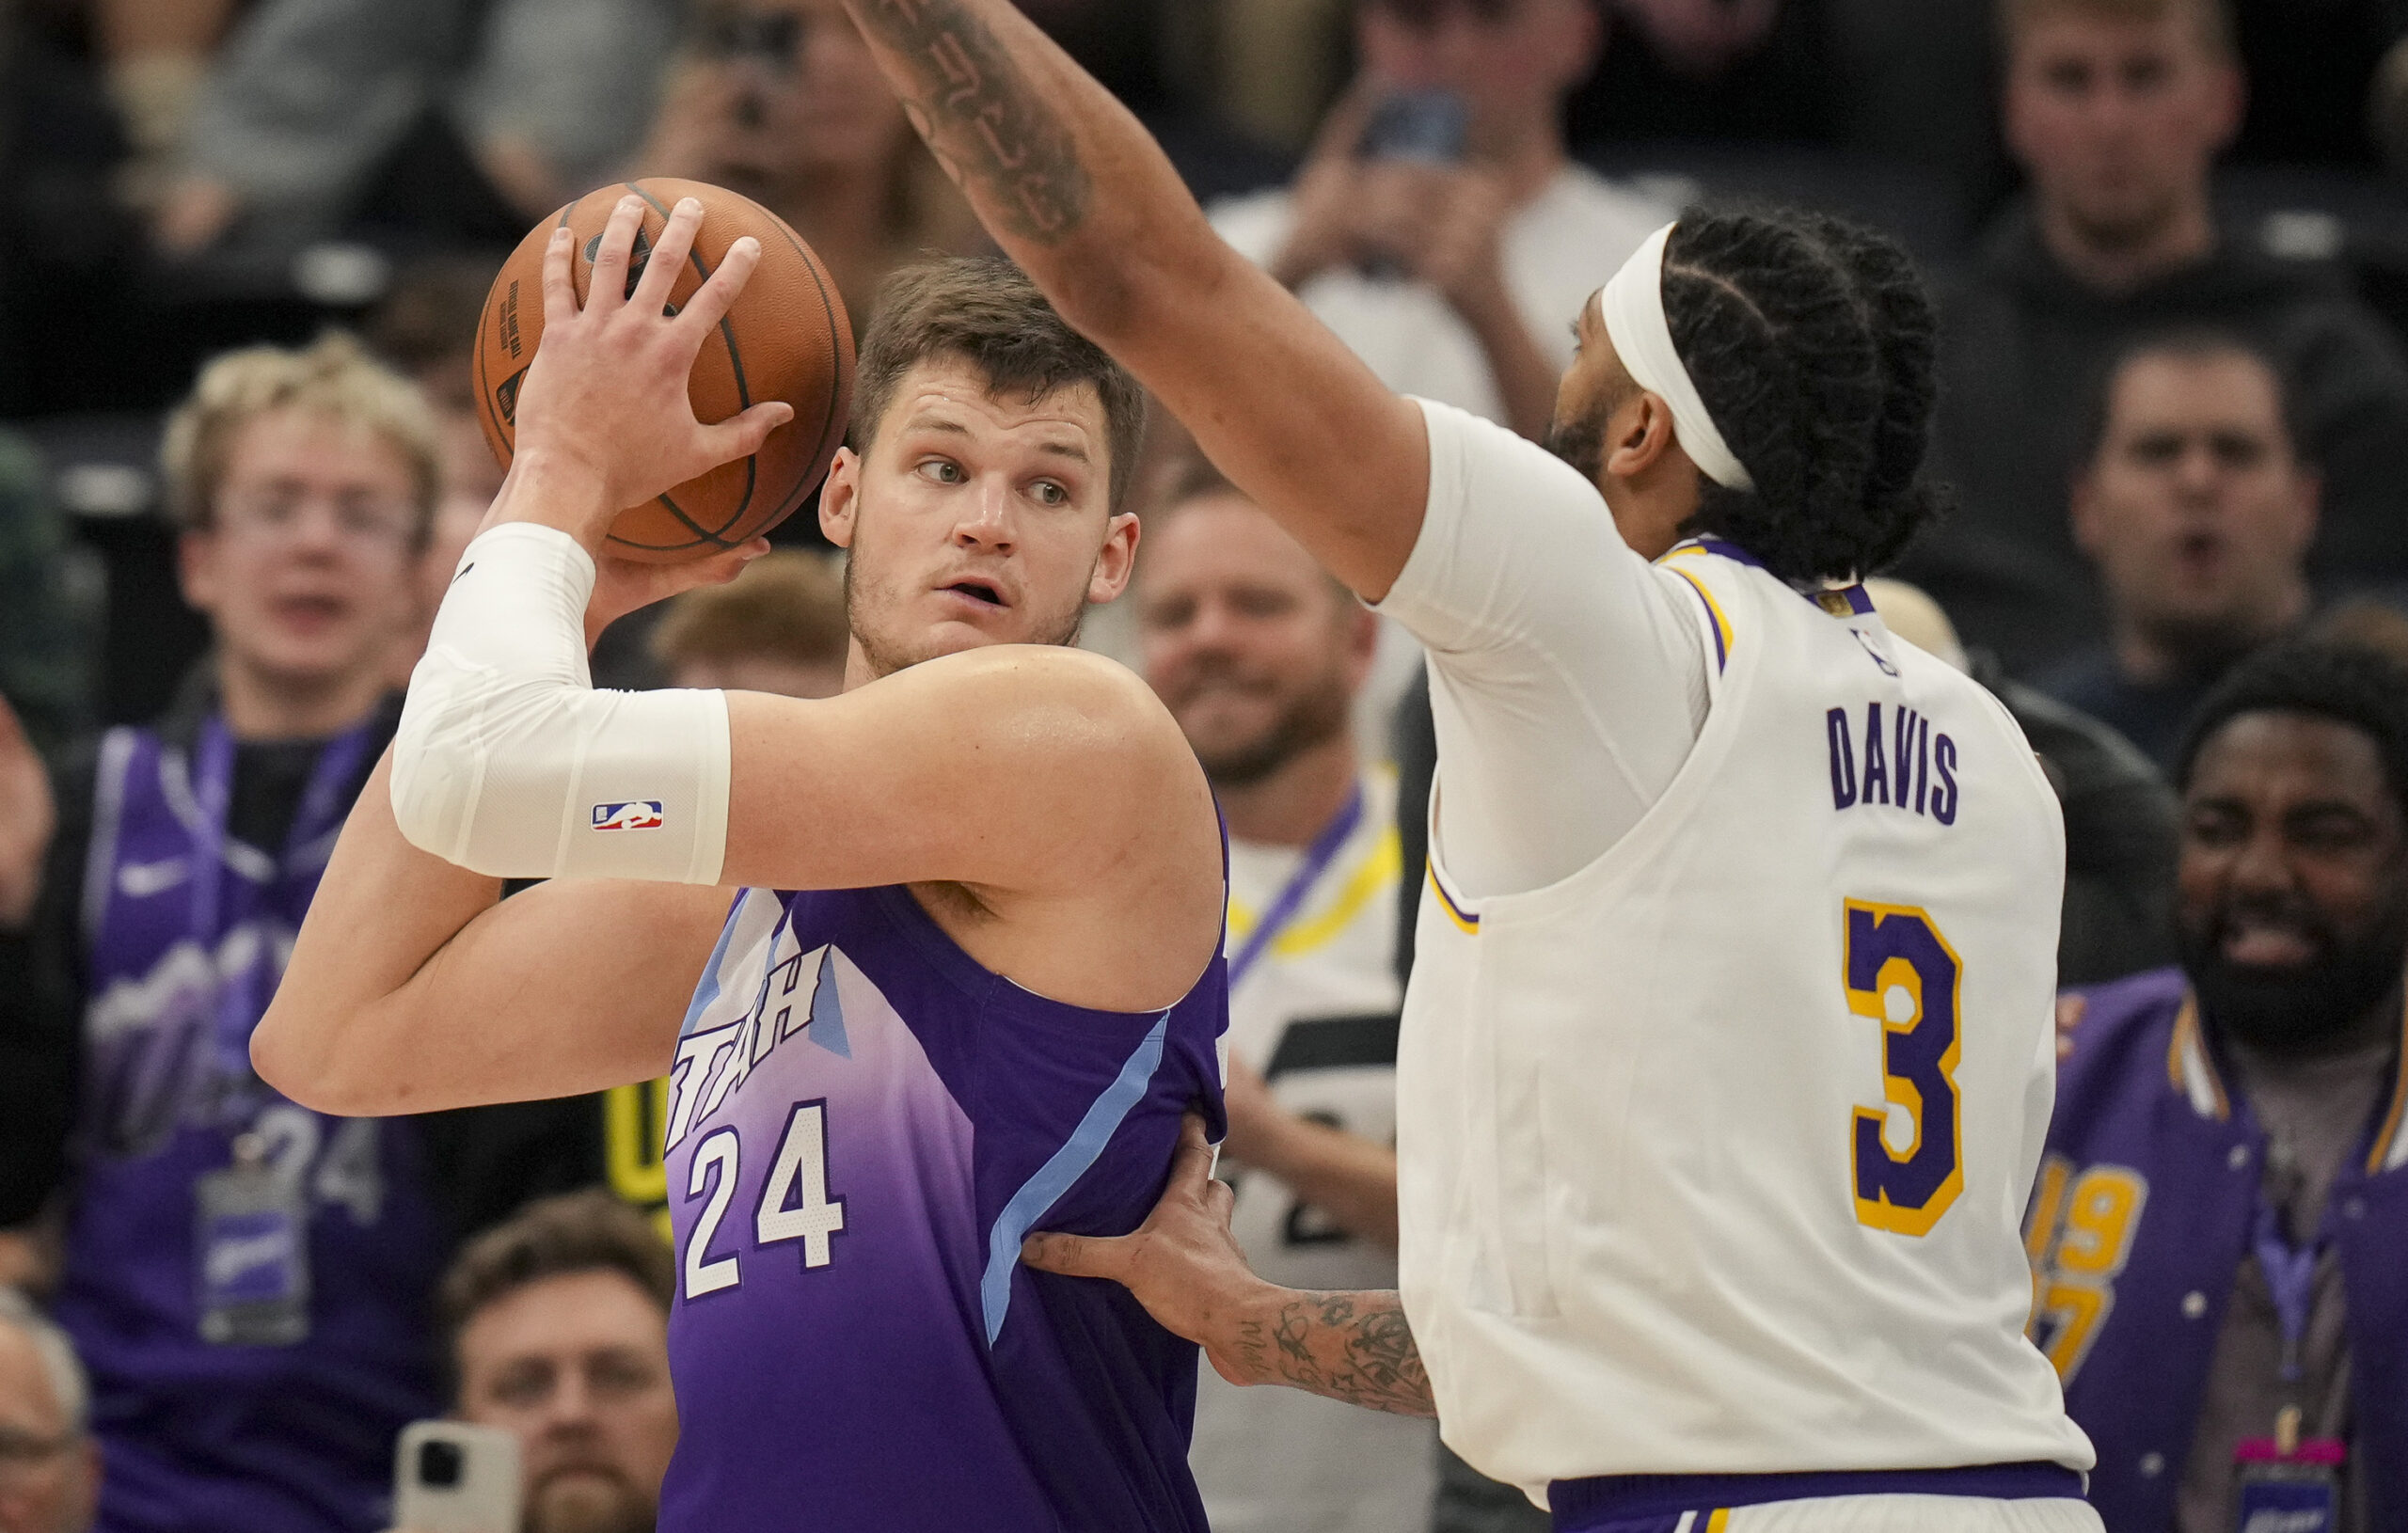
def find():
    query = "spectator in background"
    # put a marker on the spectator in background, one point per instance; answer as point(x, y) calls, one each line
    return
point(781, 101)
point(2221, 1210)
point(1258, 653)
point(779, 628)
point(2193, 503)
point(427, 329)
point(2117, 109)
point(495, 112)
point(1450, 275)
point(49, 1467)
point(2119, 815)
point(558, 1328)
point(246, 1280)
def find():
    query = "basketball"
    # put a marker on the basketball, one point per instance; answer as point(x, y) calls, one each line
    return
point(787, 338)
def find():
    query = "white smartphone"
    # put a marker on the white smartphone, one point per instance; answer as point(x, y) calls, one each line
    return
point(450, 1476)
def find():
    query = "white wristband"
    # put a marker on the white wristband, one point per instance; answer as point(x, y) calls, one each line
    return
point(508, 763)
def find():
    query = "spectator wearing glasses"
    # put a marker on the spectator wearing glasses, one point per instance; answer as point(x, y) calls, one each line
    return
point(1439, 228)
point(50, 1469)
point(247, 1281)
point(2117, 110)
point(2196, 509)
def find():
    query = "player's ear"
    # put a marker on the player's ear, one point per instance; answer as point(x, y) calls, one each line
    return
point(1638, 435)
point(1115, 561)
point(840, 498)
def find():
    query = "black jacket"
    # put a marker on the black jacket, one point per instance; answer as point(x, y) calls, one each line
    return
point(2023, 345)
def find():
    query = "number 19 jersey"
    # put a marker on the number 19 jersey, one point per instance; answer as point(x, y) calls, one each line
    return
point(862, 1123)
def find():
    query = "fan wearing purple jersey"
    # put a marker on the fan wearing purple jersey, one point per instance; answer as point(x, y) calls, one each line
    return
point(966, 983)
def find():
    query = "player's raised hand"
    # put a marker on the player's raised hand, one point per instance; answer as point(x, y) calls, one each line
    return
point(1182, 1263)
point(605, 420)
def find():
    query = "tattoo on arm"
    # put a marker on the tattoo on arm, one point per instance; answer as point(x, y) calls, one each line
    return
point(976, 107)
point(1351, 1347)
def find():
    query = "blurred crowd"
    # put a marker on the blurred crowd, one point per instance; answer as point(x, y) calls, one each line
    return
point(246, 246)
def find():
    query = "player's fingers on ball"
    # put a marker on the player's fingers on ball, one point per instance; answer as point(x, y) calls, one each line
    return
point(559, 291)
point(711, 301)
point(743, 436)
point(611, 258)
point(668, 256)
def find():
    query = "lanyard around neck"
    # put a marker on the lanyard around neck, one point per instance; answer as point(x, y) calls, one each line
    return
point(1300, 883)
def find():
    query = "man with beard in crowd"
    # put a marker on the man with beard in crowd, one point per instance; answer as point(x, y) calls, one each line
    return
point(2218, 1220)
point(559, 1322)
point(1259, 653)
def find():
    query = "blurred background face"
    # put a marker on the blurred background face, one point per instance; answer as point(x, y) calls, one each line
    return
point(577, 1366)
point(1512, 61)
point(2195, 509)
point(2293, 881)
point(1253, 649)
point(807, 93)
point(306, 565)
point(2118, 120)
point(49, 1478)
point(976, 519)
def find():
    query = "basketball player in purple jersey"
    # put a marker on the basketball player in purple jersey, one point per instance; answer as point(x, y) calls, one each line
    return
point(967, 983)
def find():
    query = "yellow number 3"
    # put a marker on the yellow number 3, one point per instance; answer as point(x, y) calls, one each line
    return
point(1904, 974)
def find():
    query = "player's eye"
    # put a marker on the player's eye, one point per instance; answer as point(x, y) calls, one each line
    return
point(1048, 493)
point(942, 471)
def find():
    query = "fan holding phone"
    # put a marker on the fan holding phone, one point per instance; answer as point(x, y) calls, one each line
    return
point(1438, 226)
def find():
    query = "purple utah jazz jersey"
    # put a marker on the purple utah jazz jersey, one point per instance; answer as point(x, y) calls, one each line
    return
point(863, 1124)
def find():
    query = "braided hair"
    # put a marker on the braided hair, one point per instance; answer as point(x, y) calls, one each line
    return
point(1812, 342)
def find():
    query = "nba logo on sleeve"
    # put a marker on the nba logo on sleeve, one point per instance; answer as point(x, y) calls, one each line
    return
point(645, 814)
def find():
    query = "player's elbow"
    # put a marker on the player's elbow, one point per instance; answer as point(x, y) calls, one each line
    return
point(289, 1061)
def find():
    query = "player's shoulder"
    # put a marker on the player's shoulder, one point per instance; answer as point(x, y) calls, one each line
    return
point(1471, 455)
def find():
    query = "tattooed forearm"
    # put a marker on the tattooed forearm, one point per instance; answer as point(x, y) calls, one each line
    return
point(1351, 1347)
point(974, 104)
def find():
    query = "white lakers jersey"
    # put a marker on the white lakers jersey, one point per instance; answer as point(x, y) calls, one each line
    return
point(1714, 1151)
point(1316, 1012)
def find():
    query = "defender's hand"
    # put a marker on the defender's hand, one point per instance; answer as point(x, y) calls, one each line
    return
point(1181, 1264)
point(605, 420)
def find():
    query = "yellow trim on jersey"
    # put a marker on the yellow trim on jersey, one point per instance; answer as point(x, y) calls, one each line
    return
point(1719, 1520)
point(1377, 872)
point(1721, 624)
point(1466, 921)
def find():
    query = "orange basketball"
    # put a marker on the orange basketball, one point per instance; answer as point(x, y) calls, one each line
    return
point(787, 338)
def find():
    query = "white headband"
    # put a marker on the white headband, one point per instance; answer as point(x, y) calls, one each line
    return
point(1631, 306)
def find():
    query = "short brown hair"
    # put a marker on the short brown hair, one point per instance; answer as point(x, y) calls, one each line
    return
point(987, 312)
point(787, 606)
point(555, 1236)
point(335, 376)
point(2016, 16)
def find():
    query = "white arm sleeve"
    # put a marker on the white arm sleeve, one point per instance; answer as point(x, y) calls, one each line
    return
point(510, 764)
point(1567, 675)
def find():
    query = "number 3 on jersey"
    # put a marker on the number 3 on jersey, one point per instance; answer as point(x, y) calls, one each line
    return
point(795, 1205)
point(1904, 974)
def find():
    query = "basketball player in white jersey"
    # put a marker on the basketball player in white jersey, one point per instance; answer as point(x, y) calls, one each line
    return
point(1726, 1063)
point(1260, 656)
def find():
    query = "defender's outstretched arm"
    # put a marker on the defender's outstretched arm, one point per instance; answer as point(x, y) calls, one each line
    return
point(1078, 193)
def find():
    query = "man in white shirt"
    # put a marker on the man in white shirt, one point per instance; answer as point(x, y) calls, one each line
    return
point(1259, 653)
point(1452, 279)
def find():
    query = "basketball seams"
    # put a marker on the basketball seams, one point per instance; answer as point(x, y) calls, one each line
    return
point(787, 348)
point(743, 402)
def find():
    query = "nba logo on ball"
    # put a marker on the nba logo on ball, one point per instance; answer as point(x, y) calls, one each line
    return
point(641, 815)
